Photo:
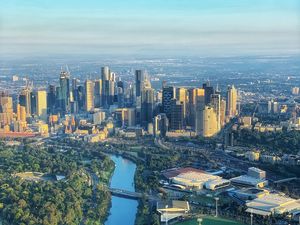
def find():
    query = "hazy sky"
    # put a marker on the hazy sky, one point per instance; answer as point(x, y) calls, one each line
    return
point(162, 27)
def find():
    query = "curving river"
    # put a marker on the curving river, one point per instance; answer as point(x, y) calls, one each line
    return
point(123, 210)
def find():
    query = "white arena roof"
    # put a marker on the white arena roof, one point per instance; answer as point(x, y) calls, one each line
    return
point(273, 203)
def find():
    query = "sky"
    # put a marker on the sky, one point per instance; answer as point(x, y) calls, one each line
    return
point(149, 27)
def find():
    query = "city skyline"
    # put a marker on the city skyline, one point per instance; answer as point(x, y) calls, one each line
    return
point(150, 28)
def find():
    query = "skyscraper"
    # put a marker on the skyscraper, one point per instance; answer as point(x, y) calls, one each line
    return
point(167, 95)
point(41, 104)
point(223, 112)
point(209, 125)
point(147, 106)
point(108, 86)
point(209, 90)
point(98, 93)
point(6, 109)
point(140, 76)
point(199, 95)
point(51, 98)
point(89, 95)
point(25, 100)
point(181, 95)
point(216, 104)
point(176, 115)
point(64, 91)
point(231, 102)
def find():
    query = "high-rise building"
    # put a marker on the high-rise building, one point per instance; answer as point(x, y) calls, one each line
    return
point(140, 76)
point(41, 104)
point(209, 125)
point(209, 90)
point(181, 95)
point(216, 104)
point(33, 103)
point(22, 114)
point(108, 86)
point(199, 99)
point(160, 125)
point(51, 98)
point(89, 95)
point(167, 95)
point(6, 109)
point(223, 112)
point(231, 102)
point(98, 93)
point(176, 122)
point(25, 100)
point(64, 92)
point(147, 106)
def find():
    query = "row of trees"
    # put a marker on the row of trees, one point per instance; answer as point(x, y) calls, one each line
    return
point(286, 142)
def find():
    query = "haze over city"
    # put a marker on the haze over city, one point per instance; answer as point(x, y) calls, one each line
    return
point(139, 27)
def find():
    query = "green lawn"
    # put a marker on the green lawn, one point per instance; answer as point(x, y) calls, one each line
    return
point(207, 220)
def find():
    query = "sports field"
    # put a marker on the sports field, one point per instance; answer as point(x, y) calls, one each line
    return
point(208, 220)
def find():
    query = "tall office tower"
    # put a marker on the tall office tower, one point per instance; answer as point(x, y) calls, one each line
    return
point(81, 97)
point(112, 91)
point(41, 104)
point(74, 84)
point(89, 95)
point(64, 95)
point(140, 76)
point(167, 95)
point(147, 106)
point(223, 113)
point(6, 109)
point(22, 114)
point(98, 93)
point(181, 95)
point(176, 122)
point(209, 125)
point(120, 97)
point(129, 96)
point(216, 104)
point(51, 98)
point(25, 100)
point(231, 102)
point(33, 103)
point(191, 107)
point(209, 90)
point(199, 107)
point(160, 125)
point(18, 112)
point(108, 86)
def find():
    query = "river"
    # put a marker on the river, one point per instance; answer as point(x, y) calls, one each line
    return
point(123, 210)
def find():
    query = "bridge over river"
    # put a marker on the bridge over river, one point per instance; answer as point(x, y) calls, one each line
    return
point(130, 194)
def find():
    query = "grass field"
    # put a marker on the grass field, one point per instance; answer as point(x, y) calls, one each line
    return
point(207, 220)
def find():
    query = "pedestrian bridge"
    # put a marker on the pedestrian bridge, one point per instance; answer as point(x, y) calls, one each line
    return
point(125, 193)
point(132, 194)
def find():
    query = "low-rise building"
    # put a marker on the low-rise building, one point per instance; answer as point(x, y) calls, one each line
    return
point(273, 204)
point(254, 178)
